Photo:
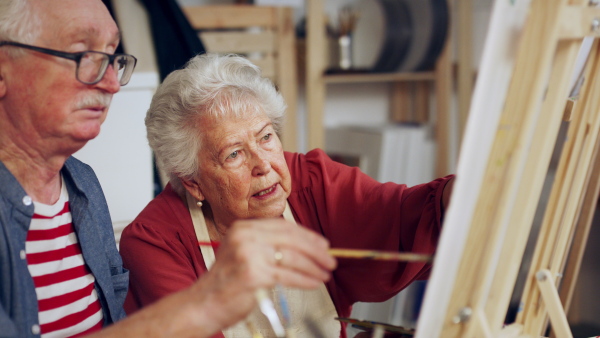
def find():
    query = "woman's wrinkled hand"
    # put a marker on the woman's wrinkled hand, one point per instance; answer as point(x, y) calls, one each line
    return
point(261, 254)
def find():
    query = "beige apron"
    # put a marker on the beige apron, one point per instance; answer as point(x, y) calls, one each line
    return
point(312, 311)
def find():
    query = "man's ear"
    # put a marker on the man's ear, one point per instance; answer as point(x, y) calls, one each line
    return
point(4, 66)
point(193, 188)
point(2, 81)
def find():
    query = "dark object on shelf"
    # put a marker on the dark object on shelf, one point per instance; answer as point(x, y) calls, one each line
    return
point(381, 36)
point(347, 71)
point(431, 18)
point(399, 35)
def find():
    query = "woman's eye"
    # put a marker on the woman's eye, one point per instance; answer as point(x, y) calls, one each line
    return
point(266, 137)
point(233, 155)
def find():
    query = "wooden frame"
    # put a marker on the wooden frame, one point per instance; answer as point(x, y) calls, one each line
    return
point(511, 133)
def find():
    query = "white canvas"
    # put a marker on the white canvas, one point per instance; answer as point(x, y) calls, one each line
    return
point(507, 20)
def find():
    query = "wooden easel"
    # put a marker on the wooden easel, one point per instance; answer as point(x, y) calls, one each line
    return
point(514, 175)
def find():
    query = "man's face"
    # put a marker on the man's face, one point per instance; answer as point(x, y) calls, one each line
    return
point(46, 107)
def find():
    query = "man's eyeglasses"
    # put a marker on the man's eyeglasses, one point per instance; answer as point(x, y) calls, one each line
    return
point(91, 66)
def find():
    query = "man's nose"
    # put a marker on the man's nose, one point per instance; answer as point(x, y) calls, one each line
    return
point(110, 81)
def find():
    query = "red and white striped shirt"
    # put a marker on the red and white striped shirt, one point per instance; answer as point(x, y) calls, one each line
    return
point(68, 302)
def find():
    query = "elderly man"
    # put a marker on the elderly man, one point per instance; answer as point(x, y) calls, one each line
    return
point(60, 272)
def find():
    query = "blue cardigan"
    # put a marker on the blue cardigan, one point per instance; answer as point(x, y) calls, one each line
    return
point(91, 220)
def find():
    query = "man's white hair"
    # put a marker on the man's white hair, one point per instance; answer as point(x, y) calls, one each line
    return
point(18, 22)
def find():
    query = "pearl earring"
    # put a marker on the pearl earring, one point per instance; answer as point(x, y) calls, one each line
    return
point(199, 204)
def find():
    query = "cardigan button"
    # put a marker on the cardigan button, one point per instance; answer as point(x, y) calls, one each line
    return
point(23, 254)
point(27, 200)
point(35, 329)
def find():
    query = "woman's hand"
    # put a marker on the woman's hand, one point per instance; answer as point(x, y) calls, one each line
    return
point(255, 254)
point(259, 254)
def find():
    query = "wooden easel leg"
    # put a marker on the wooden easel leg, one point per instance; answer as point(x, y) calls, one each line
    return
point(483, 324)
point(582, 231)
point(479, 328)
point(549, 294)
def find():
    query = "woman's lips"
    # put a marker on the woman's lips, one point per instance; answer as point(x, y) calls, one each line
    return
point(266, 192)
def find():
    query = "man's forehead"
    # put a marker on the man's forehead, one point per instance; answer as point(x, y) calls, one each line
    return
point(76, 20)
point(88, 32)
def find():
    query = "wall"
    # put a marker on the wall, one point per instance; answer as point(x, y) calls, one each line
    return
point(120, 155)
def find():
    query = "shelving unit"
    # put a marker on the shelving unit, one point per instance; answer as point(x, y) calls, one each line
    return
point(317, 81)
point(387, 77)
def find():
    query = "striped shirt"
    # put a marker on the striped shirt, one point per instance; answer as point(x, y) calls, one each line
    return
point(67, 300)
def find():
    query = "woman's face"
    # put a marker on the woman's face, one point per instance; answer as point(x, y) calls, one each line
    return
point(242, 171)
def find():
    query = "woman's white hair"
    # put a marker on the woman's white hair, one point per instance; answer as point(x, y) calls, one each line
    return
point(208, 84)
point(18, 22)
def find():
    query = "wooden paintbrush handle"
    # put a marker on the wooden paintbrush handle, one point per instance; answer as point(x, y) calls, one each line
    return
point(381, 255)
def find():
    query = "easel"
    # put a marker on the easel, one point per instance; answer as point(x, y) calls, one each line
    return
point(514, 174)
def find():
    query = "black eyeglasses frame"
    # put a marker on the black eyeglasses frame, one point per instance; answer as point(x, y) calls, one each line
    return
point(77, 58)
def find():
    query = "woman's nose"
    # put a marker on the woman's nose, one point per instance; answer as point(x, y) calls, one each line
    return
point(261, 164)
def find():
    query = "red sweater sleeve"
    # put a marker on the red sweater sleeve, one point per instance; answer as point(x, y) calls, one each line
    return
point(160, 249)
point(162, 269)
point(355, 211)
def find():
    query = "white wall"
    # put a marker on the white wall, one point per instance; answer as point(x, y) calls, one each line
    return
point(120, 155)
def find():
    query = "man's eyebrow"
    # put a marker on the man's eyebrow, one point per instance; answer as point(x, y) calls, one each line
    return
point(88, 32)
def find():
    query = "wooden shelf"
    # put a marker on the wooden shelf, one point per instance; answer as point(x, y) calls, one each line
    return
point(317, 79)
point(378, 77)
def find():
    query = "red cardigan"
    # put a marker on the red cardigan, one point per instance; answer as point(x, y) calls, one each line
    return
point(346, 206)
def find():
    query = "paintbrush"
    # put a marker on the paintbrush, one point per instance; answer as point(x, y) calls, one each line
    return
point(381, 255)
point(266, 306)
point(366, 254)
point(285, 312)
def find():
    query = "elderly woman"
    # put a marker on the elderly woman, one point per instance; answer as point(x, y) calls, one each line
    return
point(213, 127)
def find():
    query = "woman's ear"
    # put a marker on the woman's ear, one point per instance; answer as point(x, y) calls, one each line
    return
point(193, 188)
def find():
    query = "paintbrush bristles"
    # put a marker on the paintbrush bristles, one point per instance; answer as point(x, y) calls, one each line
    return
point(347, 18)
point(381, 255)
